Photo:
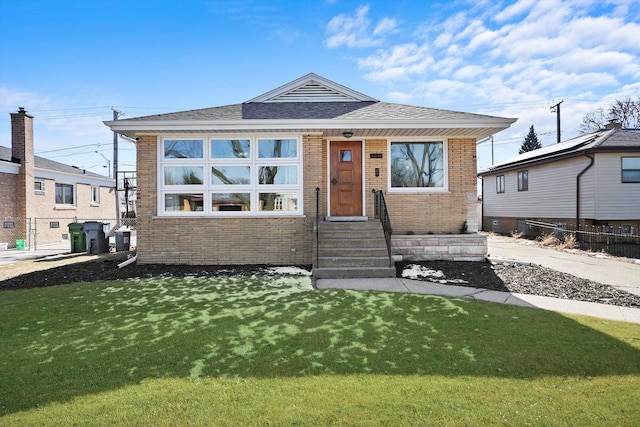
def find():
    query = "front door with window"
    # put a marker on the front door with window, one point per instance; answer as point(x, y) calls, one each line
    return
point(345, 178)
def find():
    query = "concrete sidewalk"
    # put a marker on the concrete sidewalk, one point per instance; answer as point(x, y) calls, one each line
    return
point(603, 311)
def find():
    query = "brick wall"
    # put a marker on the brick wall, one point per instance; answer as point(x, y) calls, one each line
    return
point(43, 211)
point(8, 184)
point(22, 151)
point(437, 212)
point(277, 241)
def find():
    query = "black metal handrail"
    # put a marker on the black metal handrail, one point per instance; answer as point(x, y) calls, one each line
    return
point(381, 213)
point(316, 228)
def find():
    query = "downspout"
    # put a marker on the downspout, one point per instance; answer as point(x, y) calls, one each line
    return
point(482, 204)
point(578, 189)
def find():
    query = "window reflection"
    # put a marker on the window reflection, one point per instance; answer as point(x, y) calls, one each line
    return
point(230, 149)
point(183, 202)
point(277, 148)
point(183, 149)
point(280, 175)
point(230, 202)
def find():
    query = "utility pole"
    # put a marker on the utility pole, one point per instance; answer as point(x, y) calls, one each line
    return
point(491, 150)
point(116, 114)
point(556, 109)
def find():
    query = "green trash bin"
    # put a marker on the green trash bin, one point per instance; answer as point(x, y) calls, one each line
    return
point(77, 237)
point(20, 243)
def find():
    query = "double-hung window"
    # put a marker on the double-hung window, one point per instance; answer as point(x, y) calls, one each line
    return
point(500, 184)
point(242, 176)
point(631, 169)
point(418, 166)
point(523, 181)
point(65, 194)
point(95, 195)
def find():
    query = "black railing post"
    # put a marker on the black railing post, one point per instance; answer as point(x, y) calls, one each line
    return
point(381, 213)
point(316, 227)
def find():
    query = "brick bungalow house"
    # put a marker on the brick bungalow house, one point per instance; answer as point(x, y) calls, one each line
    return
point(39, 197)
point(245, 183)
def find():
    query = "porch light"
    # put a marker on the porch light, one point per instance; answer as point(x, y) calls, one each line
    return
point(347, 134)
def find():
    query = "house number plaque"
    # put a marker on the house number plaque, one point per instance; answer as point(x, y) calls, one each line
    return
point(375, 155)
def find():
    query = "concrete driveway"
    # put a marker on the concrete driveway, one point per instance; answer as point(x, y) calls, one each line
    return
point(623, 274)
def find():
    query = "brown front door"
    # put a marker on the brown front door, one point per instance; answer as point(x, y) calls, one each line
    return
point(345, 177)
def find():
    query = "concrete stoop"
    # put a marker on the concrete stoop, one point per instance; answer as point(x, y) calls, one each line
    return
point(352, 250)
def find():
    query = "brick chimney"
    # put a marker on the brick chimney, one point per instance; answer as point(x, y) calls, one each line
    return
point(22, 152)
point(613, 124)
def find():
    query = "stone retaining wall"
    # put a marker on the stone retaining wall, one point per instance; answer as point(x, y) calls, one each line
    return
point(436, 247)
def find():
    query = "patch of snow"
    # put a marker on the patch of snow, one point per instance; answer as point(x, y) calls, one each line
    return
point(295, 271)
point(414, 271)
point(637, 261)
point(601, 256)
point(571, 251)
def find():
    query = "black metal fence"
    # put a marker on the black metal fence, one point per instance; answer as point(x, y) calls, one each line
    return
point(618, 241)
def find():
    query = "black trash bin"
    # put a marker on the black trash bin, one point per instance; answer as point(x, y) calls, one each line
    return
point(123, 237)
point(97, 242)
point(77, 238)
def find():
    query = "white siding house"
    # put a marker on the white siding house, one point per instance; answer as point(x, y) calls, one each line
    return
point(579, 181)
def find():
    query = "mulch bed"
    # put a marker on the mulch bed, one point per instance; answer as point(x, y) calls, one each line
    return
point(513, 277)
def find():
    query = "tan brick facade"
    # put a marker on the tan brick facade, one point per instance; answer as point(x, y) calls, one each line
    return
point(289, 240)
point(434, 213)
point(271, 240)
point(34, 213)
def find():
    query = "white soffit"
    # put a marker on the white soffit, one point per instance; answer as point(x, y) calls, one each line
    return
point(312, 88)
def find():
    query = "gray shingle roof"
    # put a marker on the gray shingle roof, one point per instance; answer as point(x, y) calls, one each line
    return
point(602, 140)
point(50, 165)
point(366, 110)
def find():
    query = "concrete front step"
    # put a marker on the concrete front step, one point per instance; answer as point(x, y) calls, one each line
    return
point(349, 262)
point(368, 225)
point(352, 273)
point(355, 252)
point(352, 249)
point(356, 242)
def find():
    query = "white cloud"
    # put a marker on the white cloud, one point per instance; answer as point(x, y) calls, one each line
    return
point(355, 31)
point(398, 62)
point(515, 61)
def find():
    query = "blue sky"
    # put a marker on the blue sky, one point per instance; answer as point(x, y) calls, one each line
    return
point(69, 61)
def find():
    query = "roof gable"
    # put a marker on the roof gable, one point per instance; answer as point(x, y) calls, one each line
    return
point(312, 88)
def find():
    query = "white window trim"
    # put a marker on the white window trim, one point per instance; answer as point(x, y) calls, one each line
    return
point(207, 188)
point(44, 185)
point(75, 196)
point(420, 190)
point(96, 201)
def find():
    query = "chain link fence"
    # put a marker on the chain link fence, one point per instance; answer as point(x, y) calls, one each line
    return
point(15, 233)
point(30, 233)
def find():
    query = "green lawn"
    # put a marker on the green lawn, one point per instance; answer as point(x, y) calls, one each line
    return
point(272, 351)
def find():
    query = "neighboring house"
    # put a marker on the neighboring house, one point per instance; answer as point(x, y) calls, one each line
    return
point(593, 179)
point(39, 197)
point(237, 184)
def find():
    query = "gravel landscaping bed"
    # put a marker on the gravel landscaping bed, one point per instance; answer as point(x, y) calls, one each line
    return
point(518, 278)
point(509, 277)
